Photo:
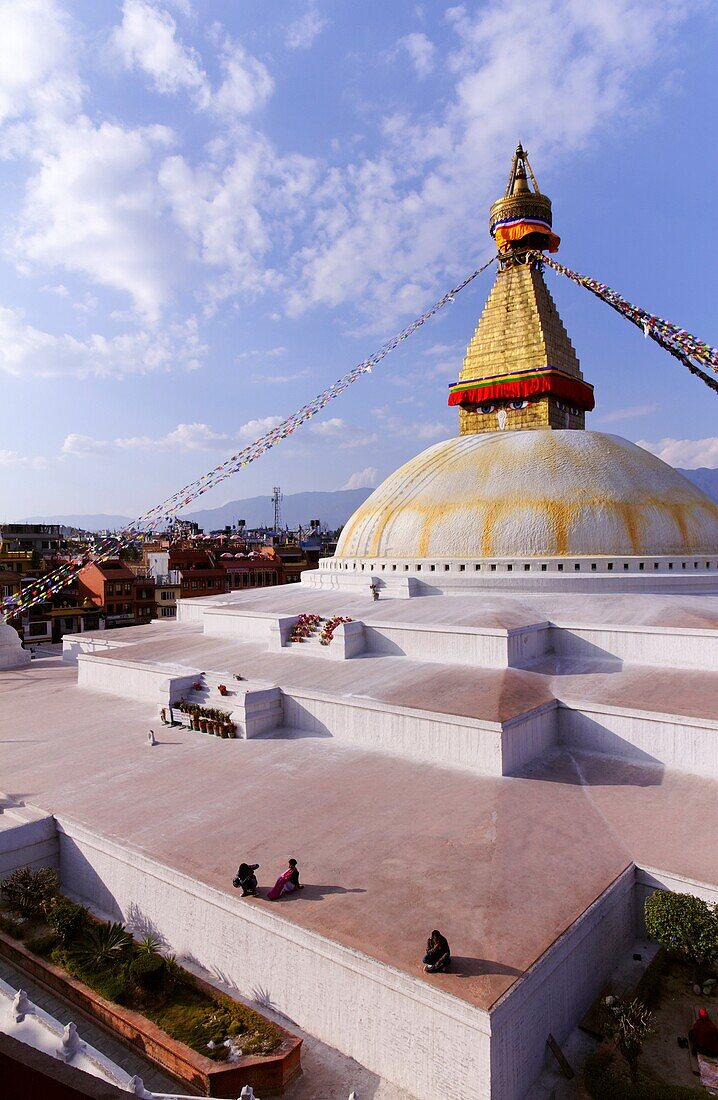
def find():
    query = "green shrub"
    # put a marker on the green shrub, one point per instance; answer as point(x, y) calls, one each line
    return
point(149, 945)
point(112, 985)
point(685, 925)
point(28, 892)
point(148, 970)
point(44, 945)
point(68, 919)
point(103, 946)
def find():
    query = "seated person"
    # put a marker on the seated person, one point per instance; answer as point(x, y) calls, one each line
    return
point(287, 882)
point(438, 956)
point(704, 1035)
point(247, 879)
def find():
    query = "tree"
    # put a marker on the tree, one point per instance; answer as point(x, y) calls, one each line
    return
point(628, 1024)
point(685, 925)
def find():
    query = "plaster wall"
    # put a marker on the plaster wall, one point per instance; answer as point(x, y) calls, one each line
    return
point(28, 838)
point(75, 644)
point(134, 681)
point(219, 622)
point(444, 739)
point(559, 988)
point(397, 1026)
point(686, 744)
point(639, 645)
point(487, 649)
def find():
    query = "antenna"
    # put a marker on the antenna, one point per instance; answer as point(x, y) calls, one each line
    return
point(277, 502)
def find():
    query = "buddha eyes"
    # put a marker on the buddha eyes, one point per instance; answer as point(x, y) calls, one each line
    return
point(514, 405)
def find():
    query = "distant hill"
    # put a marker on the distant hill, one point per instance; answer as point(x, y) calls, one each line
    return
point(84, 522)
point(333, 509)
point(705, 479)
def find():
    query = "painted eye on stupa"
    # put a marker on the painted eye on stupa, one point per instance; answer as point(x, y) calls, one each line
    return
point(518, 404)
point(487, 408)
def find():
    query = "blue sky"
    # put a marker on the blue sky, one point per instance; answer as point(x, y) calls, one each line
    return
point(212, 210)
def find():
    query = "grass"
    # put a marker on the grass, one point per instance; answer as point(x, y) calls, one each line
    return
point(181, 1009)
point(166, 994)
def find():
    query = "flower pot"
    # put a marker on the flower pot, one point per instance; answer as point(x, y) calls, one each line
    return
point(195, 723)
point(203, 725)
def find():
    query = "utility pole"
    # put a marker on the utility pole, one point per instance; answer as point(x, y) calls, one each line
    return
point(277, 502)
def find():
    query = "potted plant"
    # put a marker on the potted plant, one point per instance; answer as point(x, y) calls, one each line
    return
point(203, 724)
point(222, 688)
point(195, 722)
point(197, 685)
point(231, 729)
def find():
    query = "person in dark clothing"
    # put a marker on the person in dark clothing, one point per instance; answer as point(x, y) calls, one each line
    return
point(247, 879)
point(704, 1035)
point(438, 956)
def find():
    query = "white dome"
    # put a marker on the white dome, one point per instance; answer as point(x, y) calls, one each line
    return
point(524, 494)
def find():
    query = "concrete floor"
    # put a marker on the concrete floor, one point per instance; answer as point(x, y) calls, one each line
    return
point(389, 848)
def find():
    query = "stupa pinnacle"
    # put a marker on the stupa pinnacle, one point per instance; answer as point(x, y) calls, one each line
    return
point(521, 370)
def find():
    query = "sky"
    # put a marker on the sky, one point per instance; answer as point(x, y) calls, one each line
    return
point(212, 210)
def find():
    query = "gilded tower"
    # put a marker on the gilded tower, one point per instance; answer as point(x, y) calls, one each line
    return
point(520, 370)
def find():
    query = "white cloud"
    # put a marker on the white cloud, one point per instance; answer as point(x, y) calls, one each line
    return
point(253, 429)
point(303, 32)
point(11, 459)
point(689, 454)
point(25, 350)
point(247, 83)
point(38, 61)
point(421, 50)
point(279, 379)
point(94, 207)
point(236, 208)
point(363, 479)
point(628, 413)
point(255, 353)
point(390, 229)
point(185, 437)
point(146, 39)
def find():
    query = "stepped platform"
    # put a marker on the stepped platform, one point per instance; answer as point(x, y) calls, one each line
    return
point(431, 768)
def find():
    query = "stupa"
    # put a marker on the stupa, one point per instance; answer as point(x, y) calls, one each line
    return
point(524, 490)
point(519, 767)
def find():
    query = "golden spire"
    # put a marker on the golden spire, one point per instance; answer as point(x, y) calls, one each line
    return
point(520, 371)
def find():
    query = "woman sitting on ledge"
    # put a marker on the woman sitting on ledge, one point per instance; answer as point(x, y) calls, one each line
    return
point(287, 882)
point(438, 956)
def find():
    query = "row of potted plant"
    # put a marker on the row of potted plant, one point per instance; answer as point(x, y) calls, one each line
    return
point(330, 626)
point(208, 719)
point(304, 627)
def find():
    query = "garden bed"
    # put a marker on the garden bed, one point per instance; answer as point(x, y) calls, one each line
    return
point(208, 1040)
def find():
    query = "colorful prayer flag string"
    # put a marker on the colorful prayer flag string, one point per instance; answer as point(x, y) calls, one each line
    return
point(681, 344)
point(63, 575)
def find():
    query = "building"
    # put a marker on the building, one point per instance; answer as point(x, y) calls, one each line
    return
point(519, 766)
point(124, 598)
point(199, 574)
point(43, 538)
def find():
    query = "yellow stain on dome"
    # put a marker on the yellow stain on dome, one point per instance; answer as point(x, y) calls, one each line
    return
point(532, 494)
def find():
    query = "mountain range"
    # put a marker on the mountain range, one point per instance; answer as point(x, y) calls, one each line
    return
point(332, 508)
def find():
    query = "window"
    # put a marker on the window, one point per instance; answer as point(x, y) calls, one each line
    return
point(609, 567)
point(593, 566)
point(641, 565)
point(560, 567)
point(194, 584)
point(128, 588)
point(526, 568)
point(577, 567)
point(544, 568)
